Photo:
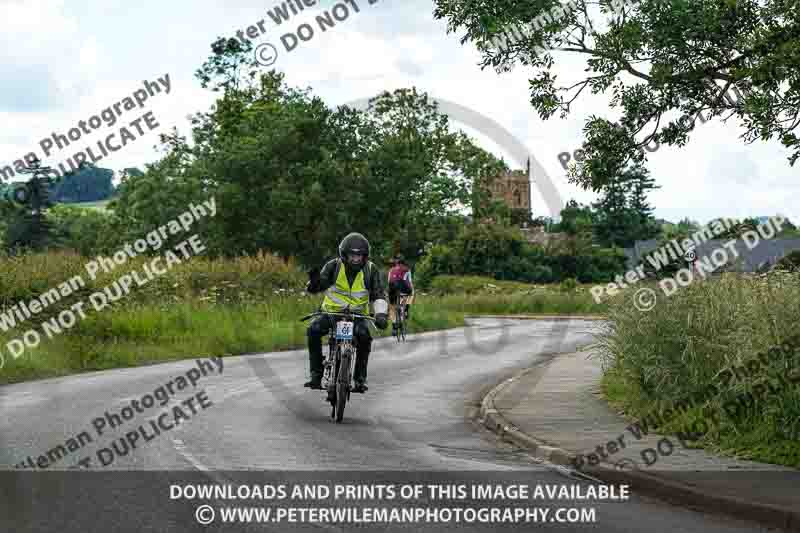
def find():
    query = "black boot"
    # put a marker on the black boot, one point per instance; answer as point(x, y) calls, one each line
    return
point(360, 373)
point(315, 356)
point(314, 383)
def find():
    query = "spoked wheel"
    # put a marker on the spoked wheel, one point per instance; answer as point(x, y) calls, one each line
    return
point(332, 389)
point(342, 384)
point(332, 400)
point(399, 320)
point(401, 325)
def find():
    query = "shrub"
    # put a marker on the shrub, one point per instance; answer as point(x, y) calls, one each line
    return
point(789, 262)
point(501, 253)
point(569, 285)
point(87, 231)
point(440, 259)
point(541, 274)
point(485, 249)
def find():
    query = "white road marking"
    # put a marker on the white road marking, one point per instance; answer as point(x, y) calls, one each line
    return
point(180, 446)
point(21, 399)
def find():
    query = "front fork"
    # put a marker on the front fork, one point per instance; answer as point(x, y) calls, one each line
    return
point(329, 366)
point(329, 371)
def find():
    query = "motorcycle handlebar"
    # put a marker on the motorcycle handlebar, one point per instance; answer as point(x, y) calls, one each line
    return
point(346, 315)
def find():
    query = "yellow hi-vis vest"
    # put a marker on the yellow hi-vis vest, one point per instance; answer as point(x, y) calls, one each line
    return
point(341, 295)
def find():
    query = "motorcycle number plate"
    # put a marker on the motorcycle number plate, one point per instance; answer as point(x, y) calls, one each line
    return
point(344, 330)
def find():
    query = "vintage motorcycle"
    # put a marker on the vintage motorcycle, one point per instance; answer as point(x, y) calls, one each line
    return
point(339, 362)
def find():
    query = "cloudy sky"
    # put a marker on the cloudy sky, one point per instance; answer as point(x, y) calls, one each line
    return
point(65, 61)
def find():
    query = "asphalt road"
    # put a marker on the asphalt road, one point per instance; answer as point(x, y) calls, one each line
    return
point(251, 421)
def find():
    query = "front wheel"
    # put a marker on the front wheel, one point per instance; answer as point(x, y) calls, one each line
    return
point(398, 321)
point(401, 323)
point(343, 383)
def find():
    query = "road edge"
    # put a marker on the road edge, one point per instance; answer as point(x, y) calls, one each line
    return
point(542, 317)
point(667, 490)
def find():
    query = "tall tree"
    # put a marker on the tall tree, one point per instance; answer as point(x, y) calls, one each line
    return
point(641, 184)
point(28, 227)
point(666, 62)
point(577, 221)
point(613, 219)
point(644, 225)
point(292, 175)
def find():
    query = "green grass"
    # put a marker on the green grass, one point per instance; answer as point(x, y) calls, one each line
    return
point(148, 332)
point(550, 302)
point(673, 352)
point(219, 307)
point(99, 205)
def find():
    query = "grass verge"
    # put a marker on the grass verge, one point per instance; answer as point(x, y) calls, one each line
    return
point(706, 360)
point(144, 333)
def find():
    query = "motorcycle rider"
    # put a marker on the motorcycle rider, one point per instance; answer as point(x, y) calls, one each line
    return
point(353, 281)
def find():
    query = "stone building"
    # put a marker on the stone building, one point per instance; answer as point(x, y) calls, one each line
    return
point(513, 188)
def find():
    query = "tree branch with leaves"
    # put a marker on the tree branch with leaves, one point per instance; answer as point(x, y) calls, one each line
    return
point(664, 61)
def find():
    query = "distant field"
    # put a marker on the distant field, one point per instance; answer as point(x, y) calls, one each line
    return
point(93, 205)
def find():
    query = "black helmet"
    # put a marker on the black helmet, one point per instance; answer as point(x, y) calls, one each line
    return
point(354, 243)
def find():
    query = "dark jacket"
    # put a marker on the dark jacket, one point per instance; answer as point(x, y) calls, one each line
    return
point(373, 282)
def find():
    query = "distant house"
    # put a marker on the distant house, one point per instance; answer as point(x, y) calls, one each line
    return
point(764, 255)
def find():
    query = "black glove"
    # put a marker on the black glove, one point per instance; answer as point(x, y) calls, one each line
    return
point(313, 281)
point(382, 320)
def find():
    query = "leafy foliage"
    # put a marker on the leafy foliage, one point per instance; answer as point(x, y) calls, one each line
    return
point(28, 230)
point(503, 253)
point(790, 262)
point(294, 176)
point(679, 231)
point(620, 217)
point(623, 214)
point(665, 63)
point(86, 231)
